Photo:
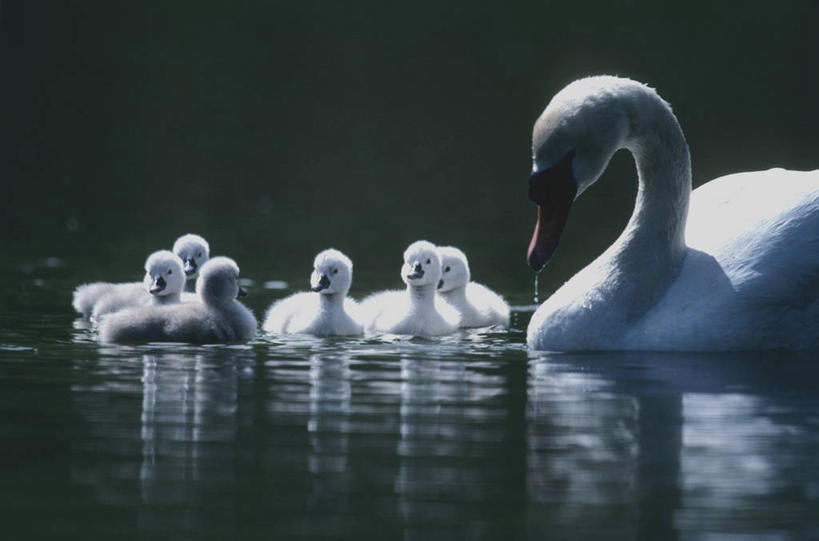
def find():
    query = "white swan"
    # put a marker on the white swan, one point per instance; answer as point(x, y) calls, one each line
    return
point(746, 279)
point(477, 305)
point(418, 311)
point(163, 283)
point(194, 251)
point(218, 318)
point(325, 310)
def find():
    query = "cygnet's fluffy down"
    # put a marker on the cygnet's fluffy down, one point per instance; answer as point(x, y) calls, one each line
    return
point(325, 310)
point(218, 318)
point(478, 305)
point(163, 283)
point(194, 252)
point(417, 311)
point(87, 296)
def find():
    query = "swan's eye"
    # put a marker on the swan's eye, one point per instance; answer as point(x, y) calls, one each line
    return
point(447, 269)
point(335, 270)
point(199, 254)
point(429, 261)
point(170, 271)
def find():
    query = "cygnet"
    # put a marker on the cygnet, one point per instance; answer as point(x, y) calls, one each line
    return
point(478, 305)
point(162, 284)
point(323, 311)
point(218, 318)
point(417, 311)
point(194, 252)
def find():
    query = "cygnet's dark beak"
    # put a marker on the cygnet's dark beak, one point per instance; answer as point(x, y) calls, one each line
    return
point(157, 286)
point(323, 283)
point(242, 292)
point(553, 191)
point(190, 266)
point(417, 272)
point(440, 284)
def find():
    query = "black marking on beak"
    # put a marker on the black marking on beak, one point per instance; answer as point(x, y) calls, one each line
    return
point(440, 284)
point(157, 286)
point(323, 283)
point(242, 292)
point(190, 266)
point(417, 272)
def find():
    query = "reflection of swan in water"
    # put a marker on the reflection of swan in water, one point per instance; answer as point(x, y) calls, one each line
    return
point(189, 425)
point(739, 271)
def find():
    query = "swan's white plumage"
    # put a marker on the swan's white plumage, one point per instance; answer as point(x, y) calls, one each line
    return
point(417, 311)
point(747, 277)
point(325, 311)
point(86, 296)
point(194, 252)
point(218, 318)
point(477, 305)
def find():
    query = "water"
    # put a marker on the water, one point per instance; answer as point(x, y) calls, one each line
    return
point(464, 437)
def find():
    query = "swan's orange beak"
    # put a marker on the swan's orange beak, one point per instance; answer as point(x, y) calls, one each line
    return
point(553, 191)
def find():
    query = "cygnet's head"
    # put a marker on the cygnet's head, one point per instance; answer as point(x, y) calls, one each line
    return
point(454, 269)
point(194, 252)
point(572, 142)
point(332, 273)
point(163, 274)
point(422, 264)
point(218, 281)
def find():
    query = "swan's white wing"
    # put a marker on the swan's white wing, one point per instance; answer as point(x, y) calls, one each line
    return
point(281, 313)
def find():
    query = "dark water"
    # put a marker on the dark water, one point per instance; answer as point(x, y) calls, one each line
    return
point(464, 437)
point(278, 129)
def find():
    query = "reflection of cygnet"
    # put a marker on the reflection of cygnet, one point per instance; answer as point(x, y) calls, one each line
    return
point(325, 310)
point(194, 251)
point(416, 311)
point(478, 305)
point(218, 318)
point(162, 284)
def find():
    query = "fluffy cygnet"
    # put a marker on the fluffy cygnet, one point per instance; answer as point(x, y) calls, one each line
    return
point(416, 311)
point(478, 305)
point(162, 284)
point(325, 310)
point(87, 296)
point(194, 252)
point(218, 318)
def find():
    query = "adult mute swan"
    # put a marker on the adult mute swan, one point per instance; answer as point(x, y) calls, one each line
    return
point(734, 268)
point(417, 311)
point(218, 318)
point(194, 252)
point(323, 311)
point(477, 305)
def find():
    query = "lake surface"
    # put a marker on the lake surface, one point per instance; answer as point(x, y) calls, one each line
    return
point(464, 437)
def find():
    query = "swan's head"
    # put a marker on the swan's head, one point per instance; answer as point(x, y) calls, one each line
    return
point(218, 281)
point(572, 142)
point(163, 274)
point(332, 273)
point(194, 251)
point(454, 269)
point(422, 264)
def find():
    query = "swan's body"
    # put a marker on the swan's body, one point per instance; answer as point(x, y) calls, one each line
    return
point(163, 284)
point(417, 311)
point(477, 305)
point(738, 270)
point(218, 318)
point(324, 311)
point(194, 252)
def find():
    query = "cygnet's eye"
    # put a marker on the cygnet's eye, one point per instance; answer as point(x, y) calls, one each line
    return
point(447, 269)
point(199, 254)
point(335, 270)
point(170, 271)
point(429, 261)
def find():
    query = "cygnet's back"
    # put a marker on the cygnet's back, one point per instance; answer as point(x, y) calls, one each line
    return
point(218, 318)
point(477, 305)
point(194, 252)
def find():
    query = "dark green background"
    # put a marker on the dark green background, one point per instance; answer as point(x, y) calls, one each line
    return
point(277, 129)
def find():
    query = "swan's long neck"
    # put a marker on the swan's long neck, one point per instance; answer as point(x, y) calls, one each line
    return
point(331, 303)
point(456, 297)
point(649, 252)
point(422, 297)
point(172, 298)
